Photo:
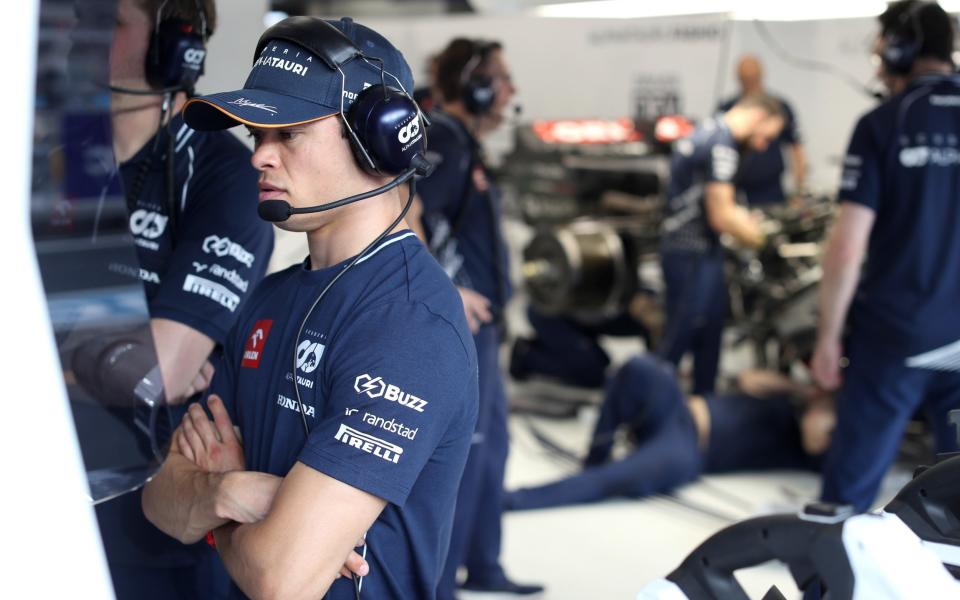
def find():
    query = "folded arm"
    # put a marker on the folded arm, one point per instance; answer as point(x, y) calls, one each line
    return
point(299, 549)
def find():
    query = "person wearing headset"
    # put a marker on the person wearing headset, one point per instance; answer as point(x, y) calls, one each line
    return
point(769, 422)
point(701, 207)
point(461, 214)
point(351, 376)
point(898, 210)
point(191, 198)
point(760, 173)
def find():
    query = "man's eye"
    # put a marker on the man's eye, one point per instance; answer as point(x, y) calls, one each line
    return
point(288, 135)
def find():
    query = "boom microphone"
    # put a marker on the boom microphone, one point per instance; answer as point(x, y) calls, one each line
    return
point(276, 211)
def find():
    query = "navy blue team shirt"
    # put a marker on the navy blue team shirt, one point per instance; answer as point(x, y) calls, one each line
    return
point(760, 173)
point(904, 163)
point(460, 189)
point(387, 372)
point(199, 264)
point(708, 155)
point(197, 269)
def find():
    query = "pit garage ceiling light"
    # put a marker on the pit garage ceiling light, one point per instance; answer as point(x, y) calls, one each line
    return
point(745, 10)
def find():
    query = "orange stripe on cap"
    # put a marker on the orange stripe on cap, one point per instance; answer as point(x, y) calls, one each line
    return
point(251, 123)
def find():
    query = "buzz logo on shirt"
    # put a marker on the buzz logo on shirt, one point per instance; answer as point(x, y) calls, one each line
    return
point(376, 387)
point(253, 349)
point(223, 246)
point(369, 444)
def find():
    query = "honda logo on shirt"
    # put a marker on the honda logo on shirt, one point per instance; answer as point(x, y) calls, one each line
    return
point(148, 224)
point(308, 355)
point(253, 350)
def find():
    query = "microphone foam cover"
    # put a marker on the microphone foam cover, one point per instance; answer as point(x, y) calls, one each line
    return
point(274, 210)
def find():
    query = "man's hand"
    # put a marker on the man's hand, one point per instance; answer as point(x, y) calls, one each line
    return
point(476, 307)
point(214, 446)
point(355, 563)
point(825, 366)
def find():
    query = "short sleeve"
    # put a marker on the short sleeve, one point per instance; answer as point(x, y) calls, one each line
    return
point(722, 163)
point(860, 181)
point(400, 382)
point(221, 250)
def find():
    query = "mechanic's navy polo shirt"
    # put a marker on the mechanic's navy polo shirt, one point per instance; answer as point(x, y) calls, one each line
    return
point(197, 269)
point(707, 155)
point(199, 265)
point(904, 164)
point(760, 174)
point(387, 371)
point(478, 259)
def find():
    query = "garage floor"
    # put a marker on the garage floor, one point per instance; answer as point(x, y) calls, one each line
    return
point(611, 549)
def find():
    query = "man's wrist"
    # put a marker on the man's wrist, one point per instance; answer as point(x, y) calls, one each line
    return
point(222, 484)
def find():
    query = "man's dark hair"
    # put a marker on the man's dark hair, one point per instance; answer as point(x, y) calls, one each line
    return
point(453, 60)
point(185, 10)
point(763, 101)
point(910, 19)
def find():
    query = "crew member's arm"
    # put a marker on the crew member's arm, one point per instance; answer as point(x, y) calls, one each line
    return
point(798, 168)
point(860, 193)
point(182, 352)
point(185, 500)
point(220, 254)
point(311, 530)
point(846, 249)
point(725, 216)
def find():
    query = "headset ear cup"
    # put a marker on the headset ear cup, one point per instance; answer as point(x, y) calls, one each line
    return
point(897, 56)
point(175, 55)
point(478, 94)
point(388, 130)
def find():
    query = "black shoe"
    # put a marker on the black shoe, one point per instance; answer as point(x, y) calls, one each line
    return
point(503, 586)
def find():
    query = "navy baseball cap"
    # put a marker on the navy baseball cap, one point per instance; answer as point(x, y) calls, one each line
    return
point(289, 85)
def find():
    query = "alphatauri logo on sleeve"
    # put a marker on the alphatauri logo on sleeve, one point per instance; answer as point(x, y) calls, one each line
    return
point(376, 387)
point(253, 349)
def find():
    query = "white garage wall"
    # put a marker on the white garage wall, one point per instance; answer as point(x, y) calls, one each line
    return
point(591, 68)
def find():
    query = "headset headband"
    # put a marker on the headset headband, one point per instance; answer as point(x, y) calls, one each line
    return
point(328, 43)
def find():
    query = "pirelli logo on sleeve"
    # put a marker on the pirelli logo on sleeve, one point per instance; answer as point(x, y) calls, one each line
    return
point(212, 290)
point(368, 443)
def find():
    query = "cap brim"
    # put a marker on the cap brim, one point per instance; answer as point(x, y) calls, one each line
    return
point(258, 108)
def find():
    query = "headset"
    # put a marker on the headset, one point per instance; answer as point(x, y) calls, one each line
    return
point(476, 89)
point(899, 53)
point(385, 127)
point(175, 55)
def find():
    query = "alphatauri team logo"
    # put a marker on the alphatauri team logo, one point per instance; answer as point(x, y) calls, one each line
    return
point(409, 131)
point(376, 387)
point(148, 224)
point(308, 355)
